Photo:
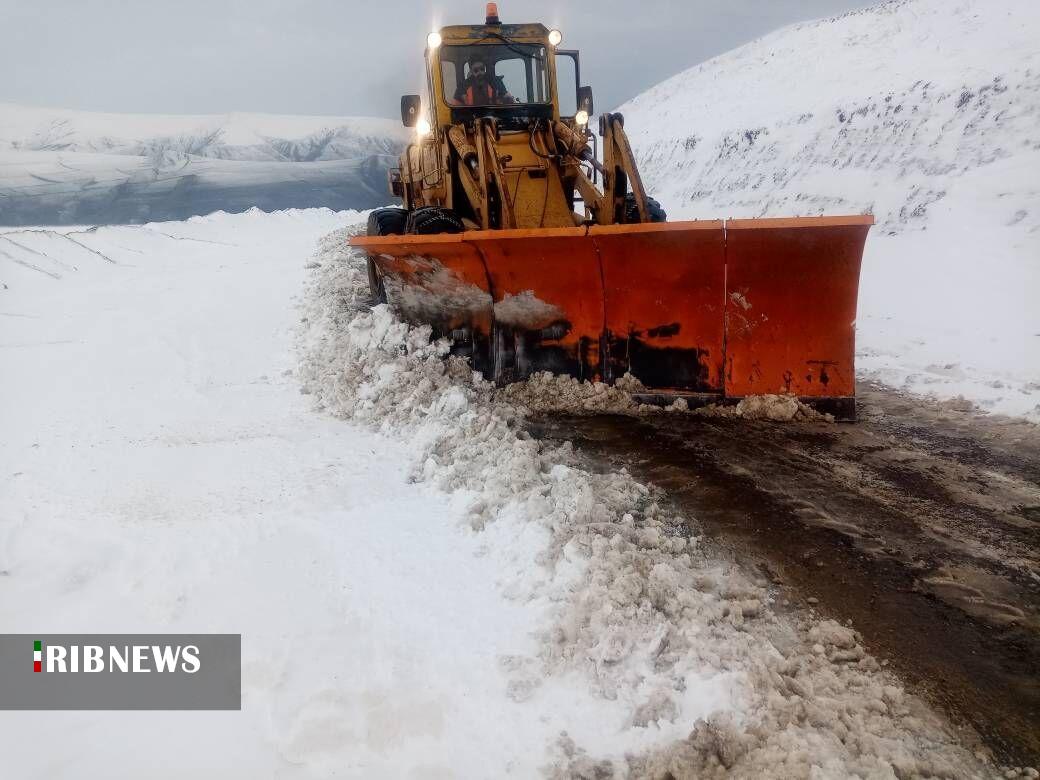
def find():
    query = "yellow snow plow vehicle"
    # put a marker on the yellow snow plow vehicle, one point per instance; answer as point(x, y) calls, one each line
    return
point(530, 241)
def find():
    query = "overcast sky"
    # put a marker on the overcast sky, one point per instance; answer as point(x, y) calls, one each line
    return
point(336, 57)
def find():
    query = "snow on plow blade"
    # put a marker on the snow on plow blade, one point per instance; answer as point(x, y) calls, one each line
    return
point(703, 310)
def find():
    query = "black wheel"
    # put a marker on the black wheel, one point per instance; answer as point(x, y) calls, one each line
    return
point(632, 211)
point(375, 283)
point(387, 222)
point(429, 220)
point(383, 222)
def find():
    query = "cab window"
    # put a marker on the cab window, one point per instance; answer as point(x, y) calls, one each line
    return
point(567, 83)
point(494, 75)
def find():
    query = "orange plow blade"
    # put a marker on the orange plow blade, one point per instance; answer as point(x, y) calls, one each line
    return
point(706, 310)
point(664, 288)
point(791, 287)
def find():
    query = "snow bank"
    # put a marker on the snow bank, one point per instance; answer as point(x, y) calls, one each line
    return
point(711, 679)
point(775, 408)
point(554, 393)
point(922, 112)
point(163, 473)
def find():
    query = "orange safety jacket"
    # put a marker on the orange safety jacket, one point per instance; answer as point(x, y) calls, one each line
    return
point(471, 94)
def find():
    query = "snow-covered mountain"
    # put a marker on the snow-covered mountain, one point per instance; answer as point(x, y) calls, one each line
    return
point(60, 167)
point(925, 113)
point(235, 136)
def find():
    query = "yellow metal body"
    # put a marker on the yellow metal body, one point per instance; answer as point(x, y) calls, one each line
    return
point(504, 177)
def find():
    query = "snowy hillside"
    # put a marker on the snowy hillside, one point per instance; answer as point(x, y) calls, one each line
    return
point(62, 167)
point(922, 112)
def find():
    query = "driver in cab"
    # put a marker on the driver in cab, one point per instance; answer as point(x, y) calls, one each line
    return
point(480, 88)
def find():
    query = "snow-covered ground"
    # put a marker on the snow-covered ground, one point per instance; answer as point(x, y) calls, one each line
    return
point(422, 589)
point(163, 472)
point(922, 112)
point(61, 167)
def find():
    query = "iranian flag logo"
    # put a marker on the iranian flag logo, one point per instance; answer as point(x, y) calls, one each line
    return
point(37, 656)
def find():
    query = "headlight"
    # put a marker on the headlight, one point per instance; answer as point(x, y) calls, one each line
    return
point(433, 40)
point(555, 37)
point(582, 117)
point(422, 127)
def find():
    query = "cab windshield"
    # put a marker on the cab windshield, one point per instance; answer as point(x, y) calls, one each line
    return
point(494, 74)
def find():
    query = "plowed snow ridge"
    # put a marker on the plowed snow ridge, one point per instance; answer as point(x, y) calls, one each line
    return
point(639, 610)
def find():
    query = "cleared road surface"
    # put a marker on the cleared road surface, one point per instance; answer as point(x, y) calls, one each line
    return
point(919, 523)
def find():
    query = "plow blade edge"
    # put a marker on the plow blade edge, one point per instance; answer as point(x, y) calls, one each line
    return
point(705, 310)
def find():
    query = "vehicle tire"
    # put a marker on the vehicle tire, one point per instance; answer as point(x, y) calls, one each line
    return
point(383, 222)
point(632, 211)
point(387, 222)
point(375, 284)
point(429, 220)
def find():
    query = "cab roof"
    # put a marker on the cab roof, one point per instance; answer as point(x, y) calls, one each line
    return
point(472, 33)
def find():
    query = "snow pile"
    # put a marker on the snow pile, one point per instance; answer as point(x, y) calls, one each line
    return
point(922, 112)
point(709, 677)
point(162, 473)
point(554, 393)
point(775, 408)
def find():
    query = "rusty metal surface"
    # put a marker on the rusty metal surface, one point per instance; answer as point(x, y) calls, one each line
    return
point(791, 291)
point(730, 309)
point(548, 301)
point(664, 286)
point(440, 280)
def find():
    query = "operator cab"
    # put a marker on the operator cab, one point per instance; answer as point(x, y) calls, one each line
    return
point(510, 79)
point(514, 73)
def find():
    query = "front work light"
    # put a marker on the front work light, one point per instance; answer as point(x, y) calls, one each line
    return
point(582, 117)
point(433, 40)
point(555, 37)
point(422, 127)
